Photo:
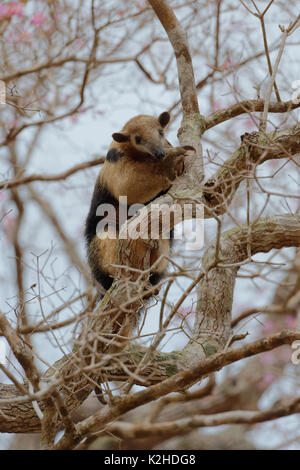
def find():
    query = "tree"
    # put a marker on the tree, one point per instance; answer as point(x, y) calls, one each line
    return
point(54, 62)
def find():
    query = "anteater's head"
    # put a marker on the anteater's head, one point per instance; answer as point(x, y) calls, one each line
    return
point(143, 136)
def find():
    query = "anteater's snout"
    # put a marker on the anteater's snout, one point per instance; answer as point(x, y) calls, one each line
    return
point(159, 154)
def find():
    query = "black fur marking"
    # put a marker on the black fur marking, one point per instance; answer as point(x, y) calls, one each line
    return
point(113, 155)
point(172, 238)
point(121, 137)
point(157, 195)
point(103, 278)
point(164, 118)
point(155, 278)
point(101, 196)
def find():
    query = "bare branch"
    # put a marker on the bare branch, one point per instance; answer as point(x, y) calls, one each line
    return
point(247, 106)
point(59, 177)
point(175, 428)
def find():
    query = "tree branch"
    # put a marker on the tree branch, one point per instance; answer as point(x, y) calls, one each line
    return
point(169, 429)
point(59, 177)
point(247, 106)
point(74, 375)
point(98, 421)
point(256, 148)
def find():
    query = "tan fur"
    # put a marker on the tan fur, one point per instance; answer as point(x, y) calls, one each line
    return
point(106, 251)
point(140, 181)
point(137, 175)
point(139, 171)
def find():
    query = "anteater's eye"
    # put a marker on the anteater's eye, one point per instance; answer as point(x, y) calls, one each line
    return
point(138, 139)
point(161, 133)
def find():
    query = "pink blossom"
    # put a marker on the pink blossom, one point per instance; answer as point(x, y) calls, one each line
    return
point(216, 105)
point(15, 8)
point(38, 19)
point(2, 195)
point(249, 123)
point(80, 43)
point(122, 12)
point(268, 378)
point(4, 11)
point(24, 36)
point(140, 4)
point(12, 123)
point(268, 358)
point(186, 311)
point(227, 64)
point(74, 119)
point(291, 321)
point(285, 354)
point(11, 9)
point(9, 227)
point(268, 326)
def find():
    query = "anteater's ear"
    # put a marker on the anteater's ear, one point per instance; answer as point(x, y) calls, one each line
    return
point(164, 118)
point(120, 136)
